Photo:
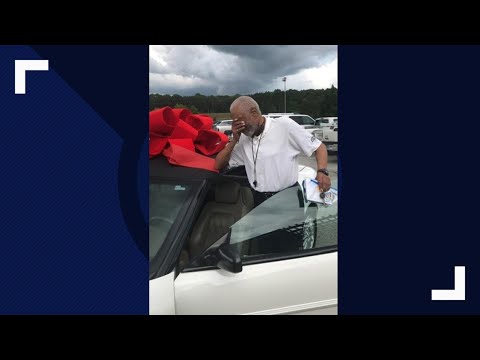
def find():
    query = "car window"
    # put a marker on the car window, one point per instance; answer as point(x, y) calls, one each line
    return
point(283, 224)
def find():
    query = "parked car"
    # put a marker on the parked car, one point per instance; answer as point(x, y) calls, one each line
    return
point(304, 120)
point(224, 126)
point(212, 252)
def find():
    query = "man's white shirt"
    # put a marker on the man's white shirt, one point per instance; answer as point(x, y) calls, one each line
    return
point(278, 148)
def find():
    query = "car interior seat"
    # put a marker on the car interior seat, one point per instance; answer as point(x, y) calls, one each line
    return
point(232, 202)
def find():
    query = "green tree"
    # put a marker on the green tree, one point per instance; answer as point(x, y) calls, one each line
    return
point(192, 108)
point(313, 102)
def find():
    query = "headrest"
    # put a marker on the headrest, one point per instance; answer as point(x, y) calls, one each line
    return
point(227, 192)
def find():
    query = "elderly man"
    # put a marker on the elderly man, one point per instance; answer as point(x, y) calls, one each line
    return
point(269, 149)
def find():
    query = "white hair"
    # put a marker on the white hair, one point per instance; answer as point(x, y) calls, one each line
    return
point(246, 104)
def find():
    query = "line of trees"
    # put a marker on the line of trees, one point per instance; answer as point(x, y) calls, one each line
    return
point(316, 103)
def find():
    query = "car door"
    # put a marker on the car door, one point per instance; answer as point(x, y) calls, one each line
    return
point(161, 295)
point(289, 256)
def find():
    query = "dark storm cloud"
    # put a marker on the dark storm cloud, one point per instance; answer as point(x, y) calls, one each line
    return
point(238, 69)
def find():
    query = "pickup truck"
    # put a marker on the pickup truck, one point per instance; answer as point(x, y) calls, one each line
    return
point(326, 121)
point(329, 136)
point(305, 121)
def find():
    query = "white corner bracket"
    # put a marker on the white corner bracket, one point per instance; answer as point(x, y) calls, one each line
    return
point(458, 292)
point(21, 67)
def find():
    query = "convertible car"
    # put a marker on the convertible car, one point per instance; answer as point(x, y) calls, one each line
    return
point(212, 252)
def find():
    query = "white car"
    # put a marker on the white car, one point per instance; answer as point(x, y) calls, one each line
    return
point(211, 252)
point(224, 126)
point(305, 121)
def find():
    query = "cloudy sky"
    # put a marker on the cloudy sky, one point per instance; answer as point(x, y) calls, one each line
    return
point(240, 69)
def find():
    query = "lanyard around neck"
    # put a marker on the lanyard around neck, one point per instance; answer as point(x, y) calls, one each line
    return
point(255, 157)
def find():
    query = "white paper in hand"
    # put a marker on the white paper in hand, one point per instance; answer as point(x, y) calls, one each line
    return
point(312, 193)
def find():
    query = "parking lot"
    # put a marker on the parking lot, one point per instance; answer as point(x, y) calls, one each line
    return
point(332, 164)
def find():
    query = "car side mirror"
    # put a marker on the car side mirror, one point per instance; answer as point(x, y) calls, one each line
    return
point(227, 258)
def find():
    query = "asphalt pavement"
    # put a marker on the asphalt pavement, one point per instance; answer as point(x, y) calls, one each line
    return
point(332, 164)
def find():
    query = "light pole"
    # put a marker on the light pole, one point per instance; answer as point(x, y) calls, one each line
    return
point(285, 91)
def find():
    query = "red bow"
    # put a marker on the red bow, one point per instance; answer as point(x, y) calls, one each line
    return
point(177, 133)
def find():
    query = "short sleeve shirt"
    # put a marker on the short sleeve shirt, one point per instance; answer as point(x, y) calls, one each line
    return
point(271, 159)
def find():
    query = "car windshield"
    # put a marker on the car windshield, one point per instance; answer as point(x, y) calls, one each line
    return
point(167, 198)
